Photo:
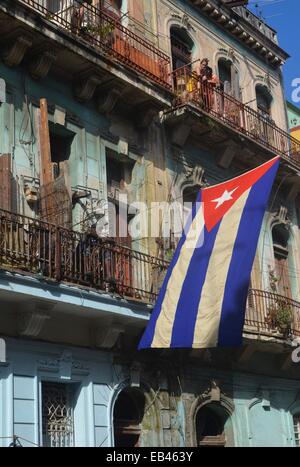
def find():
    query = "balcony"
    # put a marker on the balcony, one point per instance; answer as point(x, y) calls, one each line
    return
point(210, 100)
point(53, 253)
point(106, 34)
point(271, 314)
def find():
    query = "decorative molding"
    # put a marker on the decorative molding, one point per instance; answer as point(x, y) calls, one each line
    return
point(263, 398)
point(14, 54)
point(184, 20)
point(107, 336)
point(65, 365)
point(213, 394)
point(106, 101)
point(48, 363)
point(40, 63)
point(281, 217)
point(31, 324)
point(85, 86)
point(189, 177)
point(243, 30)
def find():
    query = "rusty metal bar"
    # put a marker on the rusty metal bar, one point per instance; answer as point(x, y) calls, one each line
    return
point(106, 32)
point(211, 99)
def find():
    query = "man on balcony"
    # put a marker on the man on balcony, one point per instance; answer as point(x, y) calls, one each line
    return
point(207, 81)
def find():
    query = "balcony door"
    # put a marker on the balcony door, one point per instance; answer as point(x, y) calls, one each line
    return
point(280, 235)
point(229, 101)
point(264, 102)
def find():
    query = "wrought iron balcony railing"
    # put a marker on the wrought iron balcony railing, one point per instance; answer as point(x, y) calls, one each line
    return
point(51, 252)
point(63, 255)
point(270, 313)
point(106, 33)
point(211, 99)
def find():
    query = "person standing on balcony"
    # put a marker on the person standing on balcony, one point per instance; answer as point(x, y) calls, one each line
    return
point(207, 82)
point(204, 71)
point(81, 17)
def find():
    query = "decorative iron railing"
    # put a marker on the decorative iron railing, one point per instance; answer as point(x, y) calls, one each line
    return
point(63, 255)
point(52, 252)
point(210, 98)
point(270, 313)
point(105, 32)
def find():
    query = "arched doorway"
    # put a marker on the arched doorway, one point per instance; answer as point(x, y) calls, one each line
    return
point(264, 104)
point(210, 426)
point(127, 417)
point(264, 100)
point(181, 47)
point(229, 78)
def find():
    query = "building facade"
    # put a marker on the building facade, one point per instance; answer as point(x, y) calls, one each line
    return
point(294, 120)
point(107, 102)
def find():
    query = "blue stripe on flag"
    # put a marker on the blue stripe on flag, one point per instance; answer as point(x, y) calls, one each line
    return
point(147, 338)
point(238, 278)
point(187, 308)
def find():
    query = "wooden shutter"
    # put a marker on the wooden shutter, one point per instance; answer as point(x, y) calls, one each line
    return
point(5, 182)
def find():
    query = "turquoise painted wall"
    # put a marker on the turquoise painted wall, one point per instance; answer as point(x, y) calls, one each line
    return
point(263, 406)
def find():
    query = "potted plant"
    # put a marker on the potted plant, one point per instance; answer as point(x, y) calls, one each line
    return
point(280, 315)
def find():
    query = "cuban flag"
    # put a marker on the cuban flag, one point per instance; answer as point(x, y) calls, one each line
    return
point(202, 302)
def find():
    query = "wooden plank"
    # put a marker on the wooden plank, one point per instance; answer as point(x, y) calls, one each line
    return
point(46, 172)
point(5, 182)
point(46, 169)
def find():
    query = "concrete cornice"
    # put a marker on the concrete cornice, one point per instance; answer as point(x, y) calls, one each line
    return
point(243, 31)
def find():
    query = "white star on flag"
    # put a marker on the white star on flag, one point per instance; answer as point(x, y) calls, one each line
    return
point(226, 196)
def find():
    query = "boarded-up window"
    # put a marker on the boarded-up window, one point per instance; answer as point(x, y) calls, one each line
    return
point(5, 182)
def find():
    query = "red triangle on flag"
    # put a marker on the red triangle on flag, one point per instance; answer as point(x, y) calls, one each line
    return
point(218, 199)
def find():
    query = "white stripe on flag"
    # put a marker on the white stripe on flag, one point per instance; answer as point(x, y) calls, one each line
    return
point(164, 324)
point(210, 306)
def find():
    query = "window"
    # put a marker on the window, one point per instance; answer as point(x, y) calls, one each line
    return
point(210, 422)
point(280, 236)
point(181, 46)
point(296, 419)
point(264, 100)
point(58, 414)
point(118, 174)
point(60, 143)
point(128, 414)
point(229, 78)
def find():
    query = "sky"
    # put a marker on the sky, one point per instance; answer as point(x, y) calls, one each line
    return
point(284, 17)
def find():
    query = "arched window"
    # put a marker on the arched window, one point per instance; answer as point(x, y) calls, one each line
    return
point(264, 100)
point(128, 415)
point(210, 426)
point(181, 46)
point(281, 236)
point(296, 419)
point(229, 78)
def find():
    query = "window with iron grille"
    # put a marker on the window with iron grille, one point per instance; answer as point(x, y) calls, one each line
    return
point(297, 429)
point(57, 414)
